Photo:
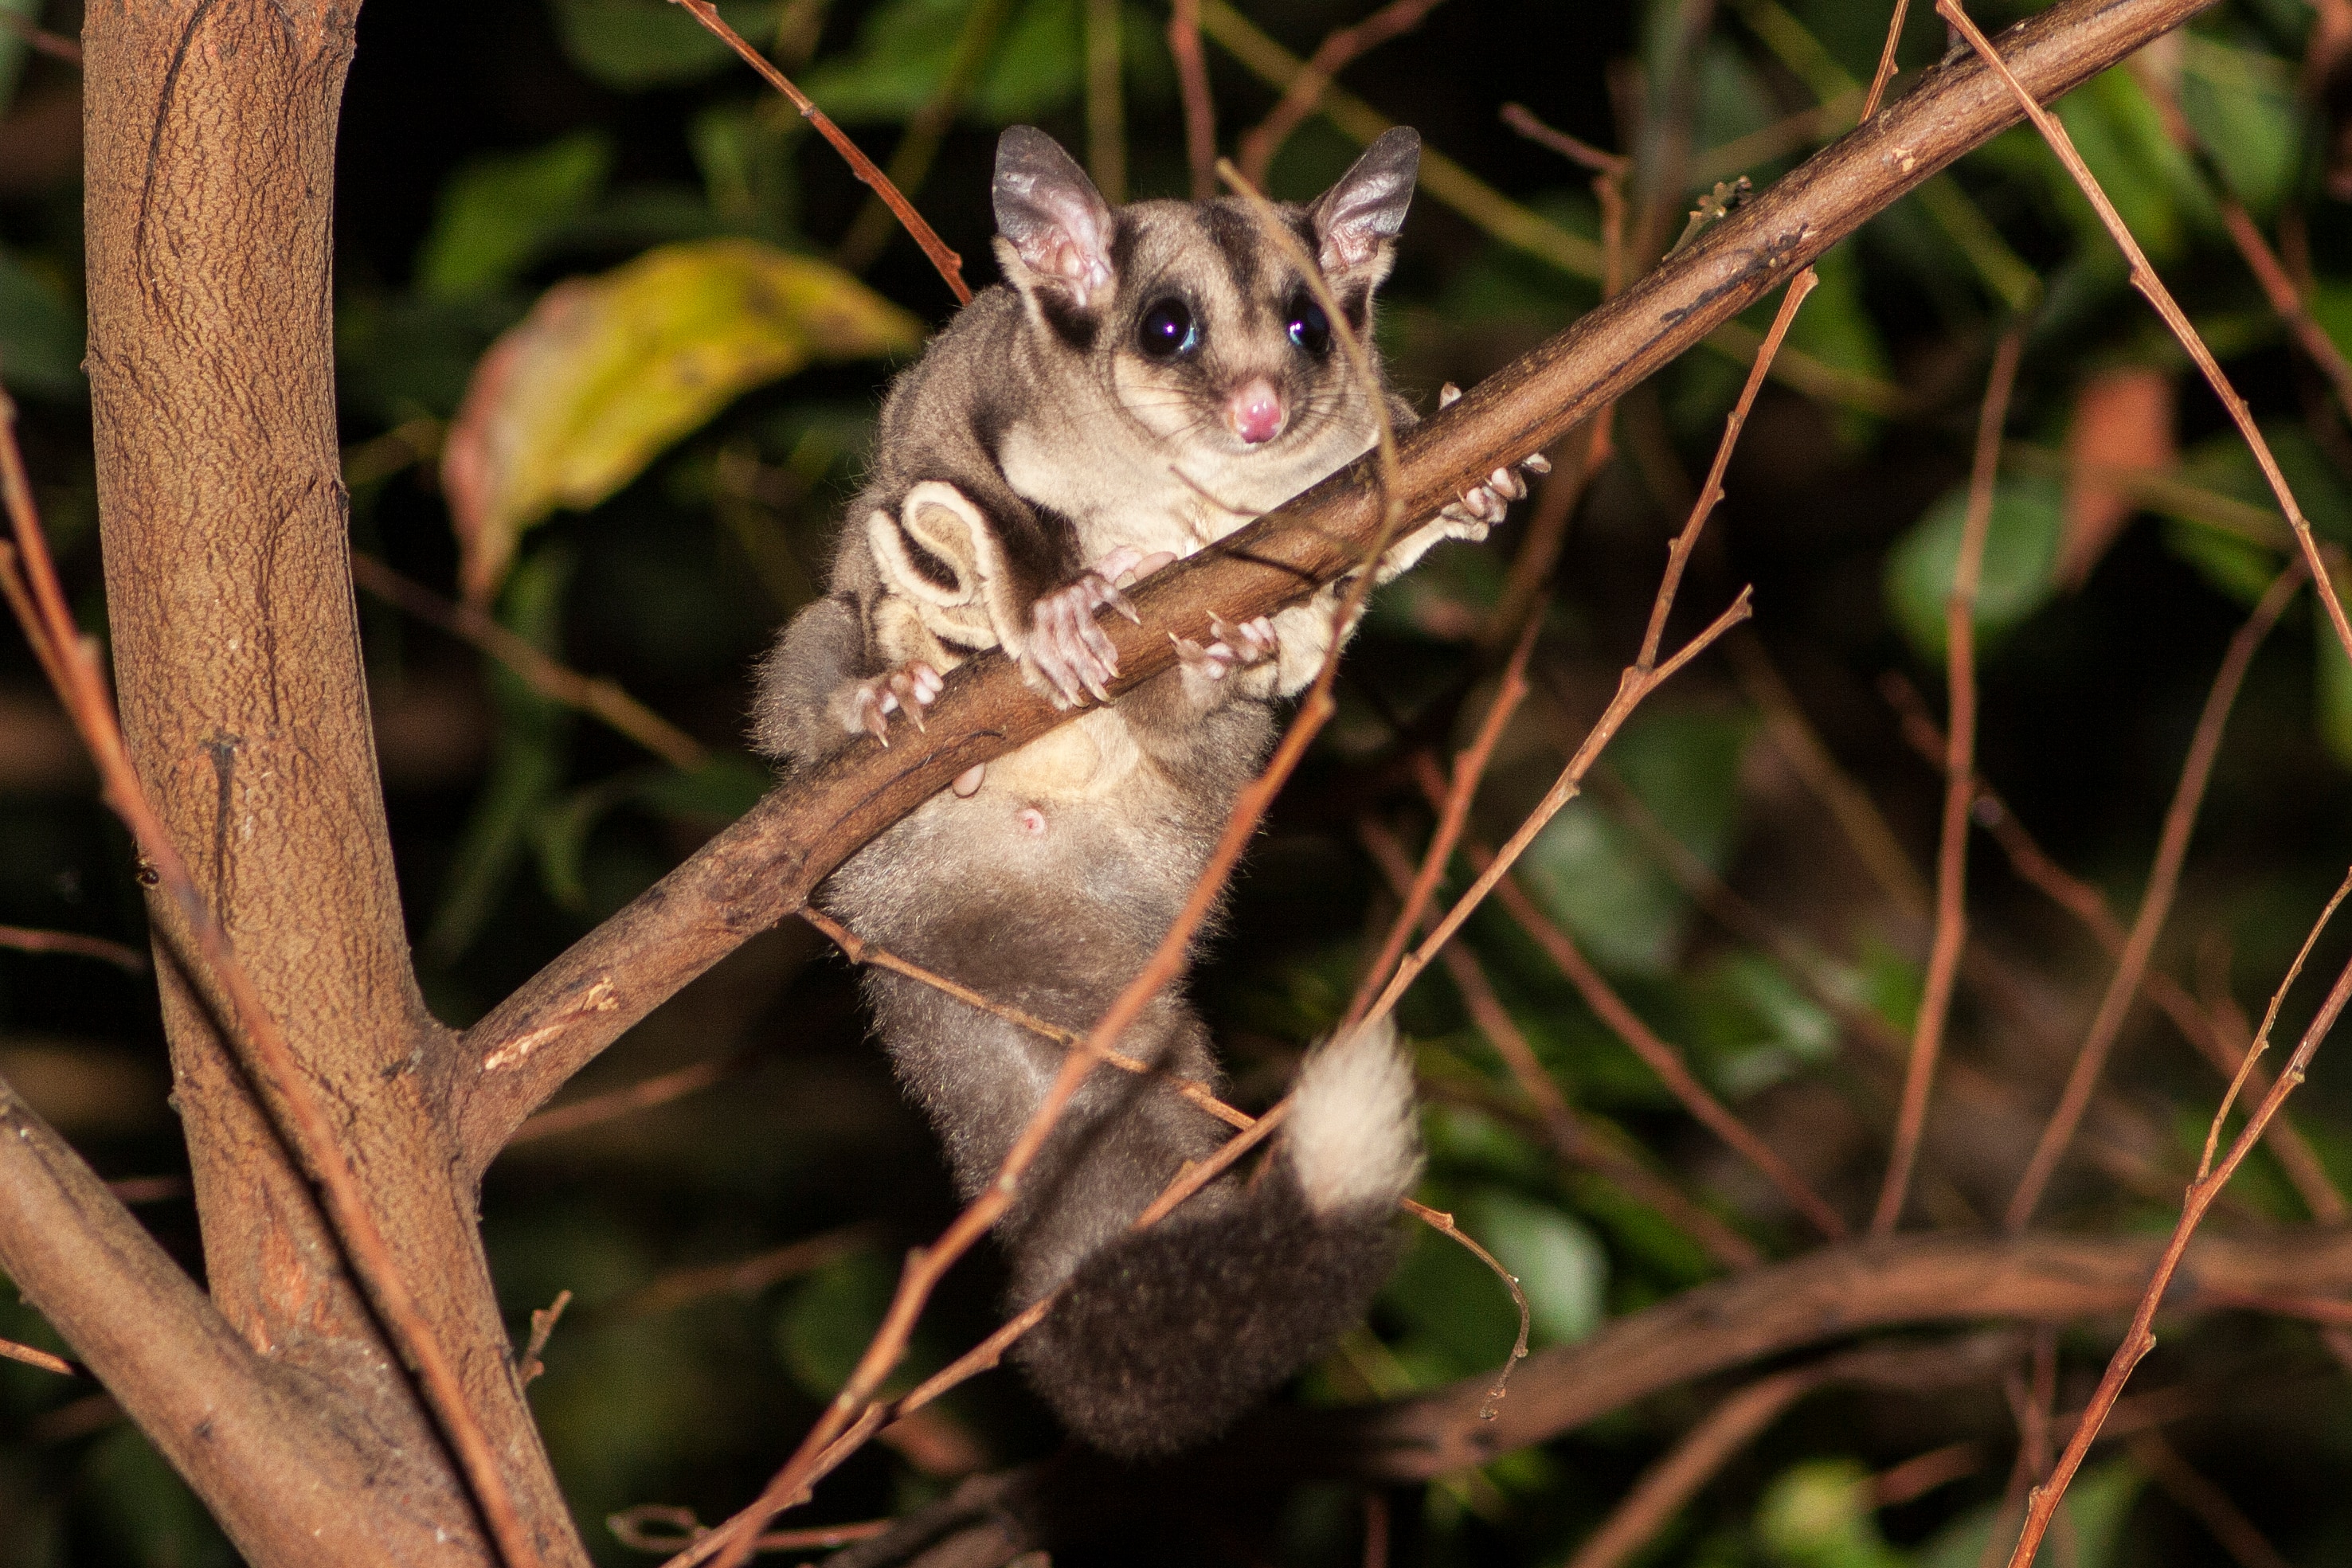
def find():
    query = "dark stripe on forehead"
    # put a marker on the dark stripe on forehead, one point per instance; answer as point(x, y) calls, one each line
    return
point(1235, 234)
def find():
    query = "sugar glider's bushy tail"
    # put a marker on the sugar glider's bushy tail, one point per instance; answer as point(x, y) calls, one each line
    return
point(1165, 1335)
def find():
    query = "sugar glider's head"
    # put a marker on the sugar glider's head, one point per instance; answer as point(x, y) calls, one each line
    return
point(1201, 323)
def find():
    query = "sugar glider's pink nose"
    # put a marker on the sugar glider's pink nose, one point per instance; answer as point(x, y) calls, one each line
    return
point(1255, 412)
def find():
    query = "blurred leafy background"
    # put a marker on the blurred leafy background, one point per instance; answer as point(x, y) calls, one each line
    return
point(709, 310)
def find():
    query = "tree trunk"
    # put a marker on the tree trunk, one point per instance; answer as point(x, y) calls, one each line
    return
point(210, 147)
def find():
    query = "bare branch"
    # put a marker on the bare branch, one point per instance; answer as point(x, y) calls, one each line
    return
point(2156, 900)
point(762, 868)
point(949, 264)
point(1960, 768)
point(2210, 1179)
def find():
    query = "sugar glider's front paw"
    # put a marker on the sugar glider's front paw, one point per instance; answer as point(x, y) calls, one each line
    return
point(1481, 506)
point(1065, 655)
point(908, 689)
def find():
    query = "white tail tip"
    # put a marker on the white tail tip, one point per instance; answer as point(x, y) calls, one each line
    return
point(1353, 1135)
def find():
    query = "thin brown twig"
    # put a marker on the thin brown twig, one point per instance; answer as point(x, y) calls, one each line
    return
point(663, 1527)
point(739, 1276)
point(1661, 1059)
point(2210, 1179)
point(1519, 118)
point(24, 939)
point(43, 1359)
point(1959, 770)
point(925, 134)
point(2144, 279)
point(1640, 678)
point(549, 677)
point(1880, 77)
point(2222, 1518)
point(528, 1366)
point(268, 1056)
point(1570, 1137)
point(57, 46)
point(1106, 105)
point(2288, 301)
point(1744, 1415)
point(2033, 865)
point(642, 1095)
point(1857, 816)
point(1469, 768)
point(1666, 1486)
point(2155, 901)
point(1546, 532)
point(1200, 109)
point(1305, 94)
point(858, 950)
point(1915, 1477)
point(948, 262)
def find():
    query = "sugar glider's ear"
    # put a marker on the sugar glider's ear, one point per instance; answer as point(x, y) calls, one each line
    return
point(1357, 220)
point(1054, 227)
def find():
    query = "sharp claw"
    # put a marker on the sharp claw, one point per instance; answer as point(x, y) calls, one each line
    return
point(1120, 603)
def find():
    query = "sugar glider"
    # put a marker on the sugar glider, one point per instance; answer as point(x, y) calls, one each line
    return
point(1147, 379)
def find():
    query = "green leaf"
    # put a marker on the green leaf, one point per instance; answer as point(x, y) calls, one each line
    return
point(1757, 1026)
point(2233, 566)
point(1819, 1515)
point(526, 764)
point(904, 50)
point(721, 789)
point(2020, 553)
point(2095, 1509)
point(496, 214)
point(1459, 1319)
point(1835, 328)
point(2333, 694)
point(573, 402)
point(2242, 105)
point(636, 44)
point(1591, 875)
point(1597, 876)
point(2225, 463)
point(829, 1320)
point(2154, 188)
point(1559, 1263)
point(40, 335)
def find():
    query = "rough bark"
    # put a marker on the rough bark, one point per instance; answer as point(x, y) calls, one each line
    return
point(763, 867)
point(210, 147)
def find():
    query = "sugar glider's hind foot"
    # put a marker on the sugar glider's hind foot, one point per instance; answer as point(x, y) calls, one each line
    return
point(1165, 1336)
point(908, 689)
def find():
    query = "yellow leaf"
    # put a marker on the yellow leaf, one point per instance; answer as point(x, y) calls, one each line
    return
point(571, 403)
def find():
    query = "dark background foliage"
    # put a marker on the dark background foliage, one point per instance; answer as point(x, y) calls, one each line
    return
point(490, 150)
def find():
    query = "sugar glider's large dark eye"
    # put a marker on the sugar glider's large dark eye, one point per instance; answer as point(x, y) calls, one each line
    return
point(1167, 330)
point(1309, 327)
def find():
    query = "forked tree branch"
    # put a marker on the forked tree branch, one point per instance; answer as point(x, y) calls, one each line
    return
point(765, 865)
